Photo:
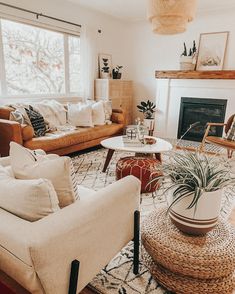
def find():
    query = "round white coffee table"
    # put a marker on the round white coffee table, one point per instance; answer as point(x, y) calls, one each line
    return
point(116, 144)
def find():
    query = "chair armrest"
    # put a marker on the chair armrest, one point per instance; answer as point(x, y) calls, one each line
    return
point(9, 131)
point(216, 124)
point(118, 116)
point(92, 230)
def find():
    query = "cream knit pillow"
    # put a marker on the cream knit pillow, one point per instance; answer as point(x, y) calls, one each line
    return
point(59, 170)
point(98, 114)
point(28, 199)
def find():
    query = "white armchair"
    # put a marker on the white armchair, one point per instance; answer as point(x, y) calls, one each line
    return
point(62, 252)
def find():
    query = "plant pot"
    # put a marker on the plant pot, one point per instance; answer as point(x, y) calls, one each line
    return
point(105, 75)
point(149, 124)
point(186, 63)
point(117, 75)
point(198, 220)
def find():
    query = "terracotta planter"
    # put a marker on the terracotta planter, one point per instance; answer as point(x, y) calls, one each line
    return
point(197, 221)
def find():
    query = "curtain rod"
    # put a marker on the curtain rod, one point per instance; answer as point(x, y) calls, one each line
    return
point(40, 14)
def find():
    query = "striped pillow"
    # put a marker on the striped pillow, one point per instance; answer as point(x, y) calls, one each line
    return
point(231, 133)
point(37, 121)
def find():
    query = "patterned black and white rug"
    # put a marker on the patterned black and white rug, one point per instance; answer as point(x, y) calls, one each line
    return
point(117, 276)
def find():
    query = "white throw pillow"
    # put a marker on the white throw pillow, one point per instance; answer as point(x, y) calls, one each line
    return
point(80, 115)
point(98, 114)
point(53, 112)
point(107, 110)
point(27, 164)
point(28, 199)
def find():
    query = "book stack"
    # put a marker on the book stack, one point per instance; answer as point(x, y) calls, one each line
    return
point(131, 142)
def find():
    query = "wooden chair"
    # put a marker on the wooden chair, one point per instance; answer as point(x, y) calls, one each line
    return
point(220, 141)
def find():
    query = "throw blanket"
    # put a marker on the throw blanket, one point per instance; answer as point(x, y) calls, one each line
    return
point(53, 112)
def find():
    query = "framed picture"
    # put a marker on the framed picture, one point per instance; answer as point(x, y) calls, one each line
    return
point(105, 66)
point(211, 51)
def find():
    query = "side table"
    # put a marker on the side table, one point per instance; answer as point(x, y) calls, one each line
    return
point(189, 264)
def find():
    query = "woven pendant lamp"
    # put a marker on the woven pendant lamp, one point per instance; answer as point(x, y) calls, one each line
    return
point(170, 16)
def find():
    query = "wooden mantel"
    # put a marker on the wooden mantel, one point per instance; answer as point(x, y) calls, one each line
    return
point(195, 74)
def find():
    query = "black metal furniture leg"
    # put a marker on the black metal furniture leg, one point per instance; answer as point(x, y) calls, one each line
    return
point(136, 242)
point(74, 276)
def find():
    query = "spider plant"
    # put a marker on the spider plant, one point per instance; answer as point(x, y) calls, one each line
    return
point(189, 173)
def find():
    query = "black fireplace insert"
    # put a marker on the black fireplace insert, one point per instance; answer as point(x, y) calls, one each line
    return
point(200, 111)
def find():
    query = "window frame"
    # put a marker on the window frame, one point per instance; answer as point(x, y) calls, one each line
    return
point(3, 84)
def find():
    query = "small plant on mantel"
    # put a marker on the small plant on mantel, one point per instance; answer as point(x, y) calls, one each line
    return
point(188, 58)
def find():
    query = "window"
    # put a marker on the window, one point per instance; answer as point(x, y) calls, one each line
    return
point(37, 61)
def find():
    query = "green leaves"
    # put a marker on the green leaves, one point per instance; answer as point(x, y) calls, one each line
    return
point(193, 173)
point(147, 108)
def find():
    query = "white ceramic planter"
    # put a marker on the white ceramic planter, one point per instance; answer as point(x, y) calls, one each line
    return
point(105, 75)
point(186, 63)
point(200, 220)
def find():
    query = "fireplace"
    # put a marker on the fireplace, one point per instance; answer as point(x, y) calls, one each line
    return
point(200, 111)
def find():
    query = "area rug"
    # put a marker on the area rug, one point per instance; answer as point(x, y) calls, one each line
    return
point(117, 276)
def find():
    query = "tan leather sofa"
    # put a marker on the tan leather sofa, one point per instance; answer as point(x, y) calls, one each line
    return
point(64, 143)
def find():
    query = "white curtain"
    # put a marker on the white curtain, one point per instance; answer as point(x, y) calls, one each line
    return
point(89, 53)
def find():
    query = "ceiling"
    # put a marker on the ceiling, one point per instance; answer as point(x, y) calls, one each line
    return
point(134, 10)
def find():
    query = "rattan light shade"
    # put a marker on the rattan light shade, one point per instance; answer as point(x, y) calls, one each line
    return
point(170, 16)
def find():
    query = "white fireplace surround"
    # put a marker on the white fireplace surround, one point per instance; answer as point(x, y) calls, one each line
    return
point(168, 99)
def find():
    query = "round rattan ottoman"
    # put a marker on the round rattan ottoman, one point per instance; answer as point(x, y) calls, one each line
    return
point(144, 168)
point(188, 264)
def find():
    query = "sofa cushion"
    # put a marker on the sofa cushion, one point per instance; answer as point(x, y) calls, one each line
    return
point(27, 132)
point(26, 164)
point(58, 140)
point(98, 114)
point(28, 199)
point(80, 115)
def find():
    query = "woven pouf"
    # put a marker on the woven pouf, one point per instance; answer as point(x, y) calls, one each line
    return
point(189, 264)
point(144, 168)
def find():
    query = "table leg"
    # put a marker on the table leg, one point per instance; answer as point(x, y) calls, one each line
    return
point(158, 156)
point(107, 160)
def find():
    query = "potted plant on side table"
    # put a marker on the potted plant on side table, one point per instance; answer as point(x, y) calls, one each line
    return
point(194, 188)
point(148, 109)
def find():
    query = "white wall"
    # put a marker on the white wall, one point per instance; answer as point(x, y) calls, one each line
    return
point(152, 52)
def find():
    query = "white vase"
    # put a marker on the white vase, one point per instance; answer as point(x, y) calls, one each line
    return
point(105, 75)
point(186, 63)
point(200, 219)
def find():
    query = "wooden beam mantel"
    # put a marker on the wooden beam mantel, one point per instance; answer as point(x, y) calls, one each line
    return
point(195, 74)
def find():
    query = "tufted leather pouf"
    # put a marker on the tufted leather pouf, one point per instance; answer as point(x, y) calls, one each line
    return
point(144, 168)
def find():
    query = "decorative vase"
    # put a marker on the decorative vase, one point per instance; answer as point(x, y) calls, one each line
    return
point(149, 124)
point(200, 219)
point(187, 63)
point(117, 75)
point(105, 75)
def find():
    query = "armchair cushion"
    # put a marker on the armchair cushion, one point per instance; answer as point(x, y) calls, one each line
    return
point(28, 199)
point(27, 164)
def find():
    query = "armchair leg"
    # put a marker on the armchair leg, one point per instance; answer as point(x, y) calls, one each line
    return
point(136, 242)
point(74, 276)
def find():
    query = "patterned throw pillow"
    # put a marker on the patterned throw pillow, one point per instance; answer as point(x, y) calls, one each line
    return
point(231, 132)
point(37, 121)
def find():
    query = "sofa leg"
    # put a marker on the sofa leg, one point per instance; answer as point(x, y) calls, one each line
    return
point(74, 276)
point(136, 242)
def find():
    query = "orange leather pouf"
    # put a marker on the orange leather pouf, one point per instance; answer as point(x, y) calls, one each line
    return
point(144, 168)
